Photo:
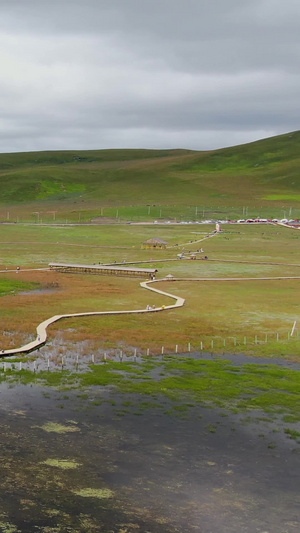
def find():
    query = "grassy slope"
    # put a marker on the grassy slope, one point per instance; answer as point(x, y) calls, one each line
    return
point(260, 173)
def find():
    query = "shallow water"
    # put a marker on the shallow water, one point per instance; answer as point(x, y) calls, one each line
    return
point(47, 358)
point(139, 468)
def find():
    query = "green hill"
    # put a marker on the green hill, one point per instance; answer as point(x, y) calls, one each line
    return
point(263, 173)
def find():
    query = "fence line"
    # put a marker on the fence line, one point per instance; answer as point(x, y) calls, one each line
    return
point(213, 346)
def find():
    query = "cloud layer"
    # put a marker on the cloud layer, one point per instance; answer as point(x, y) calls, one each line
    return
point(193, 74)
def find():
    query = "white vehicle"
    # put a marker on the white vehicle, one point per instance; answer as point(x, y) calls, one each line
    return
point(241, 221)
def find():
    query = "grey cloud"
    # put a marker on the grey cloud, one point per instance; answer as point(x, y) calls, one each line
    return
point(85, 74)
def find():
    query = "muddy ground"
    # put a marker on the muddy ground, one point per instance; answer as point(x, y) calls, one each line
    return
point(100, 461)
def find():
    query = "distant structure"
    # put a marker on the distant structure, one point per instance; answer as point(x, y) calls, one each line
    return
point(104, 269)
point(155, 244)
point(169, 277)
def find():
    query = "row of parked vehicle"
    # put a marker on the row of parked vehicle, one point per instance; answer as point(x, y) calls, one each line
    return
point(265, 220)
point(241, 221)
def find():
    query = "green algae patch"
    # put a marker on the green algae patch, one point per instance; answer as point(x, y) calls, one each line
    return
point(64, 464)
point(7, 527)
point(53, 427)
point(94, 493)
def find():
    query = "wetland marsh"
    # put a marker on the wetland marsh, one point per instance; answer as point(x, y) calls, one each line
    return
point(152, 447)
point(173, 444)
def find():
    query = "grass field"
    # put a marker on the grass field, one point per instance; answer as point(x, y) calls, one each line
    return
point(214, 311)
point(259, 178)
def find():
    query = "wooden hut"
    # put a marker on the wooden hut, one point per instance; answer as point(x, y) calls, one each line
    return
point(155, 243)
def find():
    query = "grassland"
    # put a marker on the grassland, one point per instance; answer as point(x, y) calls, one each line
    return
point(259, 178)
point(224, 311)
point(13, 286)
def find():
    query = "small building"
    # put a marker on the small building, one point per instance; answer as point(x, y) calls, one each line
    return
point(155, 243)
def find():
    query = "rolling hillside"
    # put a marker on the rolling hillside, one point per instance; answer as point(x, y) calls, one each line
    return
point(263, 173)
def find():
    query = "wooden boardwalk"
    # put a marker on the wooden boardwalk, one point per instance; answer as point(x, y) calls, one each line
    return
point(103, 269)
point(41, 329)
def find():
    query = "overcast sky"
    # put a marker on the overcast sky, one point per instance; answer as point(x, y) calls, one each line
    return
point(199, 74)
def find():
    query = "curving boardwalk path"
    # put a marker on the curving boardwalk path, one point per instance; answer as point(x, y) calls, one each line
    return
point(179, 302)
point(42, 327)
